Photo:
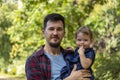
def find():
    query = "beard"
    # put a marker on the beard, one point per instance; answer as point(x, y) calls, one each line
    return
point(54, 45)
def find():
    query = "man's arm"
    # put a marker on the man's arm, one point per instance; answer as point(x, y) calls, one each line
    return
point(32, 70)
point(79, 75)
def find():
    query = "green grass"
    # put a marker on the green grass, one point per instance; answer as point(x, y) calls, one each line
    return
point(11, 77)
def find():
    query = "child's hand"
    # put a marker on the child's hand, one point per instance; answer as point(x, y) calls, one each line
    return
point(81, 50)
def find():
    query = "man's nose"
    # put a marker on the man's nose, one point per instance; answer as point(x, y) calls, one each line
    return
point(55, 32)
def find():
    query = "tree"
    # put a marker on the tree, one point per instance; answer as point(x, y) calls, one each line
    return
point(102, 16)
point(5, 23)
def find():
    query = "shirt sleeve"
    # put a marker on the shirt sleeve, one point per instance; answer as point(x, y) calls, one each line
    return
point(32, 69)
point(91, 55)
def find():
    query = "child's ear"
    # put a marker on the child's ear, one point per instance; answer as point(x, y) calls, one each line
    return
point(92, 43)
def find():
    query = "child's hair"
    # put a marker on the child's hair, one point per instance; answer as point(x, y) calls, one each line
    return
point(85, 30)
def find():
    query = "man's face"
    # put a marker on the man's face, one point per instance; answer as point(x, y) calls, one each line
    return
point(54, 32)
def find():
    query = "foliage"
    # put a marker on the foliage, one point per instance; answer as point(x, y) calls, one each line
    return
point(5, 44)
point(22, 30)
point(107, 67)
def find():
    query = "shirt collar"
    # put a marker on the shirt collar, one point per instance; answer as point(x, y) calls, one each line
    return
point(41, 51)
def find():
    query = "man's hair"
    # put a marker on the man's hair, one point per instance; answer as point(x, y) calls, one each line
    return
point(85, 30)
point(54, 17)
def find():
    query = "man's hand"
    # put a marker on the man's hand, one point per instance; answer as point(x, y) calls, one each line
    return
point(79, 75)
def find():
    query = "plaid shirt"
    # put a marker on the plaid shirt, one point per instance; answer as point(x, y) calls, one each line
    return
point(38, 66)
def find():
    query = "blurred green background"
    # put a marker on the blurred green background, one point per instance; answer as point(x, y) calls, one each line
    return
point(21, 23)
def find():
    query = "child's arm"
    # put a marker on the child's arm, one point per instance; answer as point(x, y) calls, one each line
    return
point(85, 62)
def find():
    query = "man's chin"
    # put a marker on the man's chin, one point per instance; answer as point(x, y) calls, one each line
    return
point(55, 45)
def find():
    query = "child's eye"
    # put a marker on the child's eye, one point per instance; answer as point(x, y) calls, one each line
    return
point(85, 40)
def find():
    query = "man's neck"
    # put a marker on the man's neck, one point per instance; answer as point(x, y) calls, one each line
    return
point(51, 50)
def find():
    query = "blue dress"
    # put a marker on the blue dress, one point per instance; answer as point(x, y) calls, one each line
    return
point(72, 59)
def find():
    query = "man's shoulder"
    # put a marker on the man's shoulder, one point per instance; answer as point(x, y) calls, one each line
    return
point(35, 59)
point(37, 53)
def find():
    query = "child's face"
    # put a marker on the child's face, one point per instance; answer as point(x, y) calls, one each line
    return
point(83, 40)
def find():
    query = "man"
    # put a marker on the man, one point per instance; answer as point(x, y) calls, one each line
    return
point(46, 63)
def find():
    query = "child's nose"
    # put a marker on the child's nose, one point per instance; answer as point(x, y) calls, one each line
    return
point(82, 41)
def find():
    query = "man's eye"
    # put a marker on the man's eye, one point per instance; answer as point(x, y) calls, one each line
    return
point(59, 29)
point(51, 29)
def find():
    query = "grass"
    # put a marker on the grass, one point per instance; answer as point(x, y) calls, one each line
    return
point(11, 77)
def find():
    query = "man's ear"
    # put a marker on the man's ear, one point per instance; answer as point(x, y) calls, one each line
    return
point(64, 33)
point(43, 32)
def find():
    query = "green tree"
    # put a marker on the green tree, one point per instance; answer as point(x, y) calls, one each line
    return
point(102, 16)
point(5, 23)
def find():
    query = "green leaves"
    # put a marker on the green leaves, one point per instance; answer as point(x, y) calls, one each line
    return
point(21, 28)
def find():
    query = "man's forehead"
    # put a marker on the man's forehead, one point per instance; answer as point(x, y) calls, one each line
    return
point(53, 23)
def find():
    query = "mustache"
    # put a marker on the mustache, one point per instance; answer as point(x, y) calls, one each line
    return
point(55, 36)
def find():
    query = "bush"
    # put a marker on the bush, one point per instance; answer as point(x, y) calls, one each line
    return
point(107, 67)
